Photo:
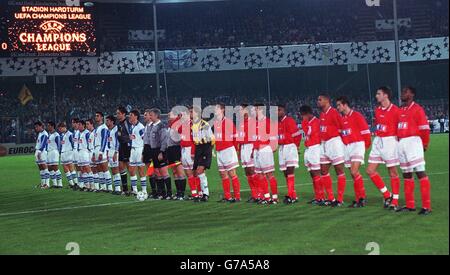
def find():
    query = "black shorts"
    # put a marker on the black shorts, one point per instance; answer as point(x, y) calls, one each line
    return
point(150, 155)
point(203, 156)
point(173, 154)
point(124, 152)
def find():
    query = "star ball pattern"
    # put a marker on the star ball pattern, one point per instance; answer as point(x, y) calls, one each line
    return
point(105, 60)
point(81, 66)
point(359, 49)
point(37, 67)
point(274, 53)
point(125, 65)
point(60, 63)
point(409, 47)
point(431, 52)
point(339, 57)
point(144, 59)
point(253, 61)
point(231, 56)
point(210, 63)
point(296, 59)
point(380, 55)
point(15, 64)
point(314, 52)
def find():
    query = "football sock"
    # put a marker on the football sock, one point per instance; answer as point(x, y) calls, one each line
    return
point(69, 178)
point(378, 181)
point(341, 187)
point(226, 188)
point(59, 178)
point(204, 184)
point(168, 183)
point(236, 187)
point(328, 185)
point(144, 184)
point(274, 187)
point(123, 179)
point(290, 180)
point(425, 189)
point(192, 186)
point(395, 185)
point(409, 193)
point(133, 180)
point(108, 180)
point(117, 182)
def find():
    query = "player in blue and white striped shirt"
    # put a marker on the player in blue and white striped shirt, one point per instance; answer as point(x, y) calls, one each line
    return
point(67, 152)
point(113, 153)
point(53, 149)
point(41, 153)
point(76, 170)
point(137, 147)
point(100, 155)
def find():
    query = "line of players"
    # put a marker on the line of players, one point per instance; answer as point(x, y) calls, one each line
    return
point(338, 138)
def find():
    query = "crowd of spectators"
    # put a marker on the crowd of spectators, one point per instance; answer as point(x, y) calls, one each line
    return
point(262, 22)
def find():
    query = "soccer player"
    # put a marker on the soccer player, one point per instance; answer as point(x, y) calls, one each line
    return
point(385, 147)
point(123, 132)
point(85, 181)
point(289, 138)
point(113, 153)
point(263, 154)
point(332, 150)
point(136, 166)
point(227, 159)
point(246, 133)
point(41, 153)
point(95, 187)
point(76, 172)
point(155, 185)
point(53, 149)
point(67, 152)
point(204, 140)
point(155, 136)
point(188, 153)
point(311, 130)
point(174, 153)
point(357, 138)
point(414, 137)
point(100, 157)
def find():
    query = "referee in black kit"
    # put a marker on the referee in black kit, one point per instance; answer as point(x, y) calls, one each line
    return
point(155, 147)
point(123, 133)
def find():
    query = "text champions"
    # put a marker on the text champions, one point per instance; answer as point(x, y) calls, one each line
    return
point(52, 41)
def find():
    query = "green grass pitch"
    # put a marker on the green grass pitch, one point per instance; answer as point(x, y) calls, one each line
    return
point(34, 221)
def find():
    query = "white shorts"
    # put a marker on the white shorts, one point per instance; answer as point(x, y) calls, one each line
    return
point(53, 157)
point(97, 153)
point(411, 154)
point(111, 162)
point(385, 151)
point(186, 158)
point(227, 159)
point(312, 158)
point(136, 156)
point(288, 156)
point(354, 152)
point(264, 162)
point(84, 158)
point(75, 157)
point(246, 155)
point(67, 157)
point(43, 159)
point(332, 151)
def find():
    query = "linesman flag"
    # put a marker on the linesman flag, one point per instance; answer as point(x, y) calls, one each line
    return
point(25, 95)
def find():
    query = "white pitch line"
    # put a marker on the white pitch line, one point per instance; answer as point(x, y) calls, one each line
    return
point(134, 201)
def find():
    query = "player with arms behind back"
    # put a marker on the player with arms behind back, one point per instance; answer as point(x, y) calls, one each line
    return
point(41, 153)
point(385, 147)
point(414, 137)
point(357, 138)
point(311, 130)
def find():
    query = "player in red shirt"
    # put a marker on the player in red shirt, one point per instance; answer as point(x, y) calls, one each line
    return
point(246, 133)
point(356, 136)
point(414, 137)
point(263, 148)
point(188, 152)
point(332, 150)
point(311, 130)
point(289, 138)
point(385, 147)
point(227, 159)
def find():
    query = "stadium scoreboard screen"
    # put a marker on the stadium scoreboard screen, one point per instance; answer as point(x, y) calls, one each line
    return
point(47, 31)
